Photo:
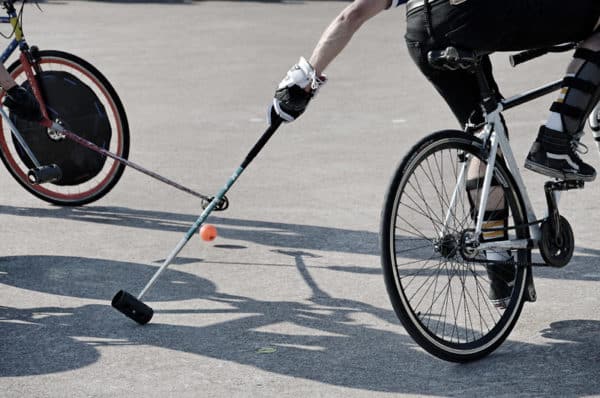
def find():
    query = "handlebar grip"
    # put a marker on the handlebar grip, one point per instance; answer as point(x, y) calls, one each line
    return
point(527, 55)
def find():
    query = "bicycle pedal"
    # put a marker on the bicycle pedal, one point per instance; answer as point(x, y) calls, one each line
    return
point(564, 185)
point(44, 174)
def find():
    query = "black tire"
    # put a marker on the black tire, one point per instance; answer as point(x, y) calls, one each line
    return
point(110, 171)
point(441, 295)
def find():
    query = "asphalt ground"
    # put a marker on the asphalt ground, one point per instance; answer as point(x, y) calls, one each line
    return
point(289, 300)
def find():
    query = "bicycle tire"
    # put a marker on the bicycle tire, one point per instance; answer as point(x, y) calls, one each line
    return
point(92, 189)
point(405, 247)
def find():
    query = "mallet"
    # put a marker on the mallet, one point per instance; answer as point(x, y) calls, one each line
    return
point(133, 307)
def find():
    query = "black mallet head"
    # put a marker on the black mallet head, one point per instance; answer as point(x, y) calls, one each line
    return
point(132, 307)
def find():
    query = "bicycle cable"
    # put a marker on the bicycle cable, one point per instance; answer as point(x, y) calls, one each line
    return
point(19, 22)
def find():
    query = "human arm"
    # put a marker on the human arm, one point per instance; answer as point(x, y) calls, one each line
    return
point(339, 32)
point(304, 79)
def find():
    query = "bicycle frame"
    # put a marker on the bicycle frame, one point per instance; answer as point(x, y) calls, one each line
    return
point(494, 138)
point(19, 42)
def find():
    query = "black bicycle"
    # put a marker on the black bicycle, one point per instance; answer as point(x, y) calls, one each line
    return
point(74, 95)
point(439, 271)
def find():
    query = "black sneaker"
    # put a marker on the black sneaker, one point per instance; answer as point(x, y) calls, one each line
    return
point(502, 279)
point(554, 154)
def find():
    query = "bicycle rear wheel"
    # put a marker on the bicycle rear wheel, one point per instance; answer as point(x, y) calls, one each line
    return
point(438, 288)
point(78, 96)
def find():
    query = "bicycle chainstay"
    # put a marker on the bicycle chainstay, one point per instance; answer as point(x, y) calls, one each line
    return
point(519, 264)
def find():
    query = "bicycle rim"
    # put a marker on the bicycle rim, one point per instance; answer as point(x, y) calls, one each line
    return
point(93, 188)
point(441, 292)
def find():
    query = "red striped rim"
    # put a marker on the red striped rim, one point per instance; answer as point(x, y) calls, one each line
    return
point(41, 189)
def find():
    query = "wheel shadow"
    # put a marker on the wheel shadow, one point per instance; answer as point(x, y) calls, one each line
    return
point(326, 339)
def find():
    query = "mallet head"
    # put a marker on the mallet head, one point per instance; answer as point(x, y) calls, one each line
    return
point(132, 307)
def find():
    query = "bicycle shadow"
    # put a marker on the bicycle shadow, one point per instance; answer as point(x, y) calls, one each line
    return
point(326, 339)
point(583, 266)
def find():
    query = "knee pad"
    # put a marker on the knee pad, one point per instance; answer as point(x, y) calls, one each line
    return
point(581, 92)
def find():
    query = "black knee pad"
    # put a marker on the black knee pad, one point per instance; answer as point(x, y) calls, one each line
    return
point(582, 92)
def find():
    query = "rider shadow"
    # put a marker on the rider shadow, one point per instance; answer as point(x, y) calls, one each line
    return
point(326, 339)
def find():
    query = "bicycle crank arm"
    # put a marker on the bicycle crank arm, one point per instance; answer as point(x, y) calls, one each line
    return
point(58, 129)
point(44, 174)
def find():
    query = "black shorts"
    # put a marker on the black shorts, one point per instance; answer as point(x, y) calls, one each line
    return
point(491, 25)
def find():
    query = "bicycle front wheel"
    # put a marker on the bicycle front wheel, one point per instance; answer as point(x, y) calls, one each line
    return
point(79, 97)
point(440, 288)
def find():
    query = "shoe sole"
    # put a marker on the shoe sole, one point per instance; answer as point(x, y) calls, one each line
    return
point(556, 174)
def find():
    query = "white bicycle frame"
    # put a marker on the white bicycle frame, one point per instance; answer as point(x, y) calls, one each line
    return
point(494, 137)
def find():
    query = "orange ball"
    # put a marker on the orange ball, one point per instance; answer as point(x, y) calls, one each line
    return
point(208, 232)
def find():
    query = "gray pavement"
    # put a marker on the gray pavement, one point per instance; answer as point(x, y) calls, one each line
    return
point(289, 300)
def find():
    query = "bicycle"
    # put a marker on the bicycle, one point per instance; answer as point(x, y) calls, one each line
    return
point(441, 255)
point(73, 94)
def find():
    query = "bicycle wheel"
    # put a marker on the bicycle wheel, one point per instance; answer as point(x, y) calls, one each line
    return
point(79, 97)
point(438, 286)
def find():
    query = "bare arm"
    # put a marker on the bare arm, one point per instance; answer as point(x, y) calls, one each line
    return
point(303, 80)
point(342, 28)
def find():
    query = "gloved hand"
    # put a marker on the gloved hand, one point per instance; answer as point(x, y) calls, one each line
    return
point(23, 104)
point(295, 91)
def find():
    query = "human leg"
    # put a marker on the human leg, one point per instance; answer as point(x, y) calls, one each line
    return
point(500, 269)
point(462, 93)
point(554, 153)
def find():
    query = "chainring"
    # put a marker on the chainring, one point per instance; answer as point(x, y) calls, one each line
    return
point(557, 251)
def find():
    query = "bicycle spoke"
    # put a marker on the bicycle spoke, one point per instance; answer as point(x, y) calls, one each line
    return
point(448, 287)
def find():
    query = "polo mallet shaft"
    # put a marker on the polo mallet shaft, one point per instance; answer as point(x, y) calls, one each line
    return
point(133, 307)
point(90, 145)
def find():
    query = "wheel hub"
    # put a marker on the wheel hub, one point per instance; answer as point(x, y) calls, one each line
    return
point(447, 246)
point(55, 135)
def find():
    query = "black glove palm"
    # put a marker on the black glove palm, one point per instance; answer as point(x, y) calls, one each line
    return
point(295, 91)
point(293, 100)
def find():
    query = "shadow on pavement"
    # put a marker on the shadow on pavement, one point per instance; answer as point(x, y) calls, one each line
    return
point(326, 339)
point(263, 232)
point(582, 267)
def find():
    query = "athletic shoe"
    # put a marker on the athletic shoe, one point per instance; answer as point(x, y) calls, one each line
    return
point(554, 154)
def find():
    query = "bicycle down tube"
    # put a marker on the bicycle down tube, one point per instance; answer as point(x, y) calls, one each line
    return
point(494, 133)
